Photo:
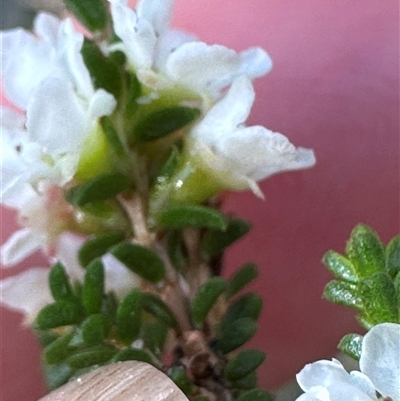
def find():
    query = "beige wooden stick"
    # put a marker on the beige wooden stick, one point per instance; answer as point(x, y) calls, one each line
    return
point(122, 381)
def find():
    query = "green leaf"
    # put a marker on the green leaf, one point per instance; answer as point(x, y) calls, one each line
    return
point(169, 167)
point(351, 345)
point(247, 306)
point(98, 355)
point(236, 333)
point(393, 256)
point(206, 297)
point(57, 375)
point(179, 377)
point(134, 90)
point(131, 354)
point(154, 336)
point(105, 73)
point(342, 293)
point(156, 307)
point(93, 287)
point(181, 217)
point(140, 260)
point(105, 186)
point(246, 383)
point(215, 242)
point(109, 308)
point(129, 316)
point(255, 395)
point(112, 136)
point(94, 329)
point(379, 298)
point(241, 278)
point(45, 337)
point(98, 246)
point(59, 283)
point(365, 251)
point(242, 364)
point(91, 13)
point(340, 266)
point(175, 251)
point(396, 283)
point(60, 313)
point(58, 350)
point(163, 122)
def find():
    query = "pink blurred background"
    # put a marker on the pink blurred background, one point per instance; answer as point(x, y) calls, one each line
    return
point(335, 88)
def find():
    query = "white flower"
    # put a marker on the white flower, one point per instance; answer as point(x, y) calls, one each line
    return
point(45, 76)
point(28, 292)
point(379, 365)
point(163, 57)
point(237, 155)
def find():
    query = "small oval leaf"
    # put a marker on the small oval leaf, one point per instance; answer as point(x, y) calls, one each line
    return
point(351, 345)
point(140, 260)
point(181, 217)
point(243, 364)
point(131, 354)
point(58, 350)
point(59, 283)
point(163, 122)
point(93, 287)
point(98, 355)
point(105, 186)
point(60, 313)
point(94, 329)
point(91, 13)
point(129, 316)
point(256, 395)
point(98, 246)
point(393, 256)
point(156, 307)
point(246, 274)
point(340, 266)
point(206, 297)
point(342, 293)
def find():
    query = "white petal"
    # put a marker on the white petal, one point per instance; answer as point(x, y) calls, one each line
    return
point(55, 117)
point(203, 68)
point(259, 153)
point(157, 12)
point(19, 246)
point(26, 62)
point(255, 62)
point(46, 27)
point(10, 120)
point(101, 104)
point(364, 383)
point(138, 36)
point(27, 292)
point(70, 59)
point(321, 373)
point(231, 111)
point(118, 278)
point(68, 246)
point(380, 358)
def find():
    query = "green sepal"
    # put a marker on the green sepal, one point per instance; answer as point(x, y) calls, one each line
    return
point(205, 298)
point(162, 122)
point(342, 293)
point(129, 316)
point(93, 287)
point(157, 307)
point(236, 333)
point(178, 376)
point(94, 329)
point(247, 306)
point(58, 350)
point(379, 298)
point(105, 73)
point(243, 363)
point(246, 274)
point(98, 355)
point(91, 13)
point(154, 336)
point(393, 256)
point(340, 266)
point(98, 246)
point(59, 313)
point(131, 354)
point(100, 188)
point(60, 286)
point(197, 216)
point(56, 375)
point(365, 251)
point(112, 136)
point(351, 345)
point(142, 261)
point(246, 383)
point(255, 395)
point(215, 242)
